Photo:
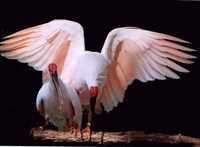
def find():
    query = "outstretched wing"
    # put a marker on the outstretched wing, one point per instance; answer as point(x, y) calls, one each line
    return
point(139, 54)
point(59, 42)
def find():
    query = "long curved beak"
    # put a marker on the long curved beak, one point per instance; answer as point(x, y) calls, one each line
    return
point(57, 85)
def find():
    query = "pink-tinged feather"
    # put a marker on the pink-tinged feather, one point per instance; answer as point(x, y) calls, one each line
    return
point(21, 52)
point(163, 36)
point(24, 32)
point(173, 51)
point(154, 74)
point(30, 38)
point(174, 65)
point(165, 43)
point(143, 55)
point(171, 56)
point(40, 45)
point(154, 65)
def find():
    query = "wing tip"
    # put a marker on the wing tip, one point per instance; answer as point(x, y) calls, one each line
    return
point(175, 77)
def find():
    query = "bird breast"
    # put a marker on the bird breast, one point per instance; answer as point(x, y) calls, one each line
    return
point(51, 106)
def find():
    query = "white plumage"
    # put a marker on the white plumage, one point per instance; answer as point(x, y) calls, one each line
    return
point(128, 54)
point(47, 104)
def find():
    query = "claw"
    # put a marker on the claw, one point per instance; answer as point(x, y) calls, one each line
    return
point(36, 129)
point(87, 129)
point(73, 130)
point(39, 128)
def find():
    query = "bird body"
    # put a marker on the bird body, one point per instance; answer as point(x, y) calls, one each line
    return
point(47, 104)
point(91, 71)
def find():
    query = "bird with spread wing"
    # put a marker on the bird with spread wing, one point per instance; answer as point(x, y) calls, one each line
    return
point(99, 79)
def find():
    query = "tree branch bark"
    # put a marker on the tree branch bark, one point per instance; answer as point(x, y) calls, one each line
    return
point(114, 137)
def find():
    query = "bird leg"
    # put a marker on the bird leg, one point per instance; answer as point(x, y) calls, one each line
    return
point(87, 128)
point(90, 114)
point(93, 94)
point(39, 128)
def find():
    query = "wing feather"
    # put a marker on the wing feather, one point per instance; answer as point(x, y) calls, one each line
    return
point(155, 74)
point(171, 56)
point(59, 41)
point(139, 54)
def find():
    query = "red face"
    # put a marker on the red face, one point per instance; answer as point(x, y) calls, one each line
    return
point(52, 67)
point(93, 91)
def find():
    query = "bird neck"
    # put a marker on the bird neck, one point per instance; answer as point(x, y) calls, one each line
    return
point(51, 84)
point(96, 79)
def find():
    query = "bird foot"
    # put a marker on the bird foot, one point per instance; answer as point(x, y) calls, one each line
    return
point(74, 130)
point(39, 128)
point(87, 130)
point(36, 129)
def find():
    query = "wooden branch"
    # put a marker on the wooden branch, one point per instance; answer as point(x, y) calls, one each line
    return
point(114, 137)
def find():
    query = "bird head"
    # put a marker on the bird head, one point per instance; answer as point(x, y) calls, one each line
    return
point(54, 76)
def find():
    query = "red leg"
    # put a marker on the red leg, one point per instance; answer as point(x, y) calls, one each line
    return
point(87, 128)
point(74, 129)
point(39, 128)
point(93, 94)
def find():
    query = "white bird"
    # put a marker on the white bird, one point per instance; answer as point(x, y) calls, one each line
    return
point(128, 54)
point(59, 103)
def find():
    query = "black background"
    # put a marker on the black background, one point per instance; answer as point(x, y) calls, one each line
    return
point(170, 106)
